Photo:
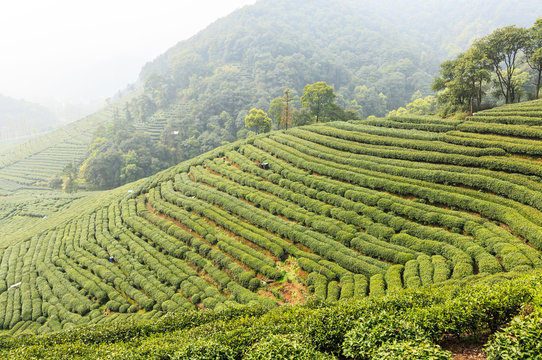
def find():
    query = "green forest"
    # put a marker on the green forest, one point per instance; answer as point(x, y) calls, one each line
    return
point(197, 95)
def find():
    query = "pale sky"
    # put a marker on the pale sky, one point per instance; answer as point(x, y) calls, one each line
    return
point(75, 51)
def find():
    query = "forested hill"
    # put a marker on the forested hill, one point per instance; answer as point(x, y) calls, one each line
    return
point(195, 96)
point(376, 56)
point(393, 47)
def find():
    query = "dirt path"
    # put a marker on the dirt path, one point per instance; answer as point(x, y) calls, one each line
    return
point(465, 349)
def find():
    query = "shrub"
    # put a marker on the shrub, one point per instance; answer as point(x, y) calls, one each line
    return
point(376, 330)
point(377, 286)
point(254, 284)
point(347, 286)
point(284, 347)
point(204, 350)
point(412, 350)
point(520, 340)
point(333, 291)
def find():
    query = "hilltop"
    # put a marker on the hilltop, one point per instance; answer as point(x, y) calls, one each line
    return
point(334, 211)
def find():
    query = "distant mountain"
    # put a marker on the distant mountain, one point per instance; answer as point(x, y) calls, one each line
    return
point(376, 55)
point(19, 119)
point(393, 47)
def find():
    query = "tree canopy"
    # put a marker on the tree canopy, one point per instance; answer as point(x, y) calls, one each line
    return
point(258, 120)
point(494, 65)
point(533, 52)
point(319, 99)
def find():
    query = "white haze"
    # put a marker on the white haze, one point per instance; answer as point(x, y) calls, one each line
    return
point(74, 51)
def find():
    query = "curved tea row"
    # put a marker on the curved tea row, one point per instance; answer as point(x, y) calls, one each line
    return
point(338, 210)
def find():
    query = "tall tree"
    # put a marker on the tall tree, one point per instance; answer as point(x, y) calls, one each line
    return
point(319, 99)
point(502, 48)
point(70, 176)
point(258, 120)
point(462, 80)
point(533, 51)
point(275, 111)
point(286, 117)
point(475, 69)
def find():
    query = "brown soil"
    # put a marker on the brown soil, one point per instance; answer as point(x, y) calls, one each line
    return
point(292, 293)
point(151, 209)
point(465, 349)
point(506, 227)
point(292, 290)
point(268, 294)
point(233, 164)
point(212, 171)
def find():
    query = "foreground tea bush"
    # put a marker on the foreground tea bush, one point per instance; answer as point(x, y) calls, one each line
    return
point(522, 339)
point(406, 325)
point(285, 347)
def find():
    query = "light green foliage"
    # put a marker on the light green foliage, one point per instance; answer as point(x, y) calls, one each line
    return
point(501, 49)
point(375, 331)
point(533, 52)
point(412, 350)
point(275, 111)
point(495, 58)
point(519, 340)
point(319, 98)
point(258, 120)
point(283, 347)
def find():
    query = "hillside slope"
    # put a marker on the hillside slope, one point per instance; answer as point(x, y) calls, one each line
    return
point(376, 56)
point(31, 164)
point(335, 211)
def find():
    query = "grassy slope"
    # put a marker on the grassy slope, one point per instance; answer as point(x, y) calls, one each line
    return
point(346, 210)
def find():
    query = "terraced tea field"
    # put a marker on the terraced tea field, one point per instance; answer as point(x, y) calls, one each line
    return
point(335, 211)
point(32, 163)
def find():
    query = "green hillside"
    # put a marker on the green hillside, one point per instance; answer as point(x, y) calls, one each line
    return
point(32, 164)
point(377, 57)
point(335, 211)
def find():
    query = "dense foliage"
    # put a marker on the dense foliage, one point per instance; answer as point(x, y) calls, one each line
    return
point(120, 154)
point(495, 65)
point(407, 325)
point(197, 95)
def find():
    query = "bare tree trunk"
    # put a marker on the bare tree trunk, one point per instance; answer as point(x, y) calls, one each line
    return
point(538, 82)
point(480, 96)
point(501, 82)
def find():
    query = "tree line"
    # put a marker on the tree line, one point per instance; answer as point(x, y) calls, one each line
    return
point(120, 153)
point(500, 66)
point(316, 105)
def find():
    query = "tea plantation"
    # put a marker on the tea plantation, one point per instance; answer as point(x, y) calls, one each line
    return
point(195, 261)
point(32, 164)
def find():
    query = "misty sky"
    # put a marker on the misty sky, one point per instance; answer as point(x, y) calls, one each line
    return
point(75, 51)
